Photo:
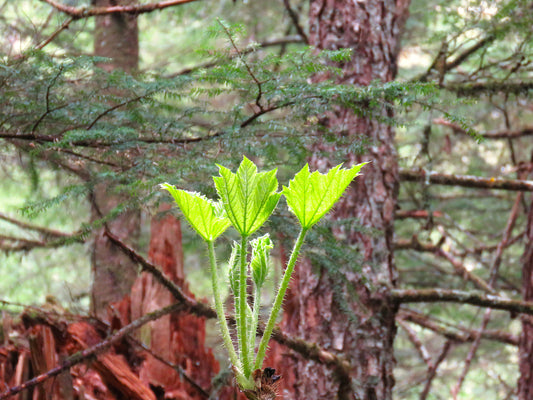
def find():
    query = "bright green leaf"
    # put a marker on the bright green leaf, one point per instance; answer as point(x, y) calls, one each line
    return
point(205, 216)
point(311, 195)
point(249, 197)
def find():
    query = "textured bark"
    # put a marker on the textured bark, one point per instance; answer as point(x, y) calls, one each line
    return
point(177, 338)
point(116, 37)
point(314, 308)
point(525, 382)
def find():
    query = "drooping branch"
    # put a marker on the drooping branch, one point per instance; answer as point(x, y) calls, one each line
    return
point(468, 181)
point(78, 13)
point(403, 296)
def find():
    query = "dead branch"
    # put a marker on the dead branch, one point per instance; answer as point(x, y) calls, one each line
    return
point(463, 272)
point(293, 15)
point(479, 88)
point(423, 214)
point(463, 297)
point(42, 230)
point(455, 333)
point(417, 343)
point(90, 352)
point(78, 13)
point(468, 181)
point(415, 244)
point(308, 350)
point(433, 371)
point(506, 134)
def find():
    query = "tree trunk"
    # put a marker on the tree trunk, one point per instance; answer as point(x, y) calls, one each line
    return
point(115, 37)
point(525, 382)
point(352, 316)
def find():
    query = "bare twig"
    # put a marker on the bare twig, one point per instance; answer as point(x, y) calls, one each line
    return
point(91, 351)
point(415, 340)
point(44, 231)
point(452, 332)
point(309, 350)
point(295, 20)
point(63, 26)
point(463, 297)
point(493, 274)
point(468, 181)
point(433, 371)
point(78, 13)
point(505, 134)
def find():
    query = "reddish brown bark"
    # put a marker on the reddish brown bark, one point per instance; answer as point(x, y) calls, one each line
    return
point(313, 310)
point(525, 382)
point(177, 338)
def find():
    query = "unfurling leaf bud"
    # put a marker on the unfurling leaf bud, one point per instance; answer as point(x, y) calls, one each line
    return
point(260, 258)
point(233, 270)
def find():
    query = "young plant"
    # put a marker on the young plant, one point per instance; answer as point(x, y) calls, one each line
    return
point(247, 199)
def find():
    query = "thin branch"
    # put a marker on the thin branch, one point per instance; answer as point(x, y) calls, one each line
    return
point(296, 21)
point(463, 297)
point(471, 353)
point(433, 371)
point(63, 26)
point(296, 39)
point(478, 88)
point(175, 367)
point(91, 351)
point(506, 134)
point(455, 333)
point(78, 13)
point(465, 180)
point(308, 350)
point(415, 340)
point(462, 271)
point(415, 244)
point(44, 231)
point(423, 214)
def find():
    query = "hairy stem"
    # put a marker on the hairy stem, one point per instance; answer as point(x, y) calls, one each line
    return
point(255, 320)
point(219, 306)
point(276, 308)
point(240, 309)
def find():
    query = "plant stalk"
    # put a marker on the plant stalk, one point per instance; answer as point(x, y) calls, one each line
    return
point(240, 308)
point(276, 308)
point(255, 321)
point(219, 307)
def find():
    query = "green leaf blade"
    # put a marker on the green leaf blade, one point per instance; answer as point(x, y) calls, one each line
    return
point(249, 197)
point(204, 215)
point(311, 195)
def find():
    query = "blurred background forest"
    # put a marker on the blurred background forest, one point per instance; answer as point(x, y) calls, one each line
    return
point(100, 107)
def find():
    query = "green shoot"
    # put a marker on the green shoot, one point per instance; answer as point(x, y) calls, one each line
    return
point(247, 199)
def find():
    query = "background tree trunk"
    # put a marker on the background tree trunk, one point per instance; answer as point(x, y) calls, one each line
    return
point(525, 382)
point(116, 36)
point(352, 316)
